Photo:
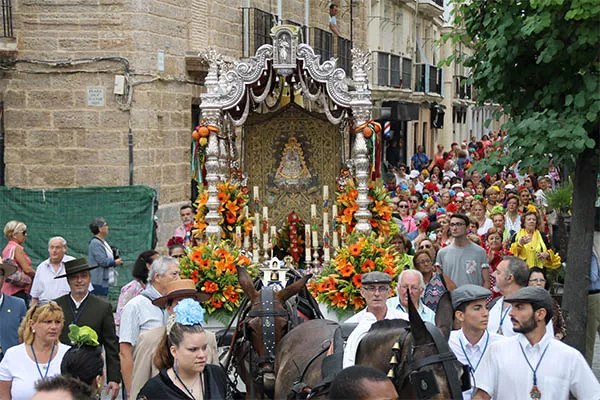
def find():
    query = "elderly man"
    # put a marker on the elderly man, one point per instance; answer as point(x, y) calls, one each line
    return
point(12, 312)
point(375, 290)
point(140, 315)
point(80, 307)
point(471, 342)
point(511, 275)
point(411, 280)
point(45, 287)
point(143, 368)
point(532, 364)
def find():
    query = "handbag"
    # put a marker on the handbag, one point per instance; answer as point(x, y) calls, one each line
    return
point(17, 278)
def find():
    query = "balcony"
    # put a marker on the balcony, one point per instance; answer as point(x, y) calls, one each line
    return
point(462, 89)
point(431, 8)
point(428, 79)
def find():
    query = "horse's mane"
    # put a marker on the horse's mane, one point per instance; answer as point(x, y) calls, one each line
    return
point(386, 324)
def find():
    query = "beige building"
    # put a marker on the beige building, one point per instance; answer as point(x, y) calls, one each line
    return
point(106, 92)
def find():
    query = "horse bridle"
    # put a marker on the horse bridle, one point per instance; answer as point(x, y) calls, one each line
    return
point(424, 382)
point(262, 368)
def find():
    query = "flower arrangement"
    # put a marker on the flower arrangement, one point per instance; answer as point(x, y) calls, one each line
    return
point(291, 237)
point(381, 210)
point(338, 286)
point(233, 198)
point(212, 267)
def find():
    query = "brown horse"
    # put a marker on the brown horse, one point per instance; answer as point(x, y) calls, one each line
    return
point(262, 326)
point(415, 356)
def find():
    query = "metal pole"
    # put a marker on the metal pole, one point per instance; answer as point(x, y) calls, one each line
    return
point(130, 137)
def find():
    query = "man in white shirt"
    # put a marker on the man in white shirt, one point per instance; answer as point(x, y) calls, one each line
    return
point(472, 341)
point(45, 287)
point(411, 280)
point(140, 315)
point(532, 364)
point(375, 290)
point(511, 275)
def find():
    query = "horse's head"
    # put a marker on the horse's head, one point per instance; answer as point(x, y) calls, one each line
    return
point(265, 323)
point(422, 365)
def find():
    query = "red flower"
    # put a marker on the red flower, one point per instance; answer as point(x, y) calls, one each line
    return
point(210, 287)
point(347, 270)
point(357, 280)
point(367, 266)
point(216, 303)
point(354, 249)
point(196, 257)
point(230, 218)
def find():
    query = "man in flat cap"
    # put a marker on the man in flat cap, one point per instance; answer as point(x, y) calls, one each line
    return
point(81, 307)
point(375, 290)
point(473, 340)
point(532, 364)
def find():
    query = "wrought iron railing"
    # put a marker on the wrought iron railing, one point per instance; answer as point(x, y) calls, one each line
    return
point(7, 22)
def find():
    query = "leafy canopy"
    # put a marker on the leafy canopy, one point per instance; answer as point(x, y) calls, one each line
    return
point(539, 59)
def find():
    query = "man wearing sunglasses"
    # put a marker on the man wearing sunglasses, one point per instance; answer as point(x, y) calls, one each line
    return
point(375, 290)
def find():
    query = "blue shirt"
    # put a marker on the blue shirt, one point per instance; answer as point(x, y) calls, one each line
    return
point(594, 274)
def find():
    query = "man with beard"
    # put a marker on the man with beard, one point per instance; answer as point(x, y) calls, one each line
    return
point(470, 343)
point(532, 364)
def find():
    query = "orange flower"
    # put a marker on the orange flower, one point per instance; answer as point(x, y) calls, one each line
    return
point(194, 276)
point(373, 223)
point(243, 260)
point(355, 249)
point(353, 194)
point(338, 300)
point(203, 264)
point(356, 280)
point(232, 207)
point(231, 218)
point(216, 303)
point(229, 292)
point(368, 266)
point(322, 287)
point(202, 199)
point(358, 302)
point(347, 270)
point(196, 257)
point(222, 197)
point(389, 271)
point(221, 267)
point(210, 287)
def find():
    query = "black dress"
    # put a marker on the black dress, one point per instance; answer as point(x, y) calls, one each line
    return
point(162, 387)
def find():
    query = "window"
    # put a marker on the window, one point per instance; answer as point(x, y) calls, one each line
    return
point(434, 86)
point(419, 77)
point(406, 72)
point(383, 69)
point(344, 55)
point(263, 22)
point(7, 20)
point(323, 44)
point(395, 75)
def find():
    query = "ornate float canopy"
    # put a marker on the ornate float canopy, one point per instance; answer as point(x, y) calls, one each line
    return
point(235, 89)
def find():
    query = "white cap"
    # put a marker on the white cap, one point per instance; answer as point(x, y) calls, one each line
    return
point(414, 174)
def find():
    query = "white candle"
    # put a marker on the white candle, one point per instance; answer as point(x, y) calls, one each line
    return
point(273, 232)
point(265, 241)
point(325, 193)
point(307, 236)
point(315, 239)
point(313, 211)
point(307, 257)
point(326, 255)
point(335, 242)
point(255, 248)
point(245, 211)
point(255, 190)
point(334, 212)
point(238, 237)
point(325, 219)
point(265, 220)
point(246, 241)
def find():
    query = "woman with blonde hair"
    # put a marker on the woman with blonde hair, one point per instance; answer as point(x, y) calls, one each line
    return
point(38, 356)
point(18, 284)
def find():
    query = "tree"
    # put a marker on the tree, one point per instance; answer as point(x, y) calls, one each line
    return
point(539, 59)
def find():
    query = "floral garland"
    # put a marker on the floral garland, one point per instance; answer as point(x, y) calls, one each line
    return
point(291, 238)
point(233, 199)
point(338, 286)
point(379, 206)
point(212, 267)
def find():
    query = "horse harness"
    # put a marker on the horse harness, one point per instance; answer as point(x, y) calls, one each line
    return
point(261, 368)
point(424, 382)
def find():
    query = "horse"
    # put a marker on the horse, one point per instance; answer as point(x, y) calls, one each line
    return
point(261, 327)
point(416, 355)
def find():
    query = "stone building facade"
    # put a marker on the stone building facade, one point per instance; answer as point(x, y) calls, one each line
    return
point(103, 92)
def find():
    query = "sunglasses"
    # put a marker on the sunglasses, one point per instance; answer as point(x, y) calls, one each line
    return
point(403, 206)
point(424, 246)
point(178, 256)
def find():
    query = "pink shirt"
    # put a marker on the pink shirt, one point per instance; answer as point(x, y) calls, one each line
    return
point(8, 288)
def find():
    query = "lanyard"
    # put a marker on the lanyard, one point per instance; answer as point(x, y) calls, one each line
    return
point(538, 364)
point(77, 313)
point(38, 365)
point(503, 314)
point(474, 368)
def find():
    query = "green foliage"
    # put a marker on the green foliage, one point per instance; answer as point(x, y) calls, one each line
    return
point(561, 198)
point(539, 60)
point(83, 336)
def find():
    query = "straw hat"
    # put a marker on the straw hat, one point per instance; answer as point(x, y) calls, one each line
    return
point(181, 288)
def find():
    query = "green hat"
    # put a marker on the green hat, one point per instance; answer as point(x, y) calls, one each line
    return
point(74, 266)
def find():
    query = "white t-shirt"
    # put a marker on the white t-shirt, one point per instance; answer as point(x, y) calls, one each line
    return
point(499, 316)
point(45, 287)
point(505, 375)
point(487, 224)
point(16, 366)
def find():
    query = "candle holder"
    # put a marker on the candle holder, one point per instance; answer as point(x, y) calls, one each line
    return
point(316, 264)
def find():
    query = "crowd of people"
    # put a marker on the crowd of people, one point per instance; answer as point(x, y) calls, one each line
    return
point(489, 240)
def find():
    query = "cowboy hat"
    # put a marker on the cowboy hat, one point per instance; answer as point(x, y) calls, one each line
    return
point(74, 266)
point(181, 288)
point(7, 269)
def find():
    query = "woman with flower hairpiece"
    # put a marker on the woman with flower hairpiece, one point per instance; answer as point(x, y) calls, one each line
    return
point(84, 360)
point(181, 358)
